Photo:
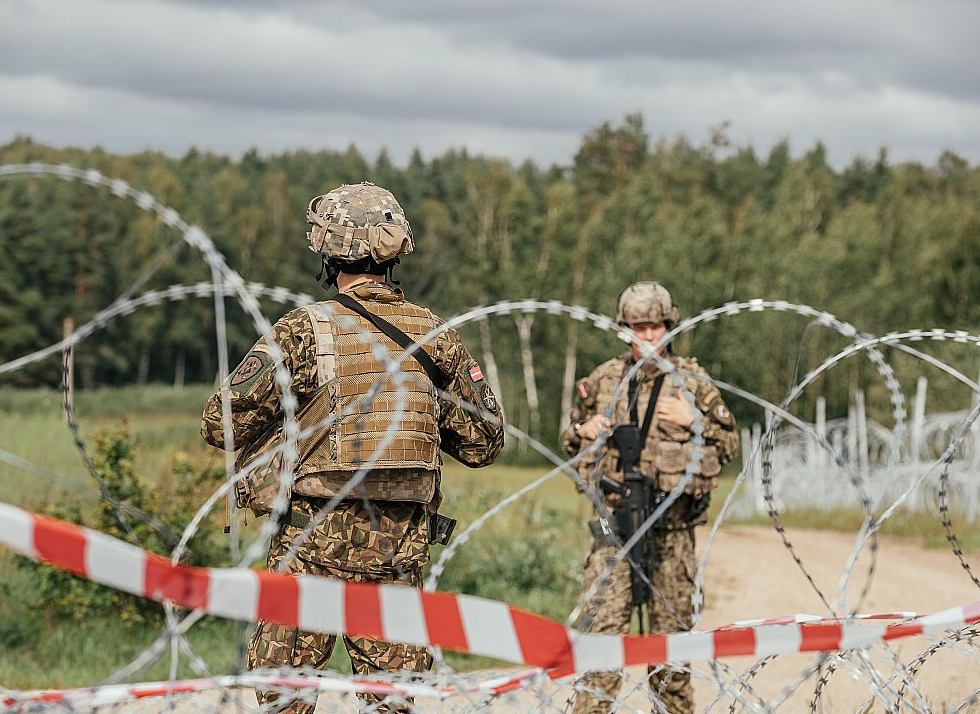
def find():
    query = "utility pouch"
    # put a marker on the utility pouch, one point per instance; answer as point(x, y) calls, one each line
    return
point(441, 529)
point(257, 490)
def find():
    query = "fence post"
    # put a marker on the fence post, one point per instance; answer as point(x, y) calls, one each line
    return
point(822, 432)
point(975, 433)
point(862, 437)
point(760, 502)
point(918, 419)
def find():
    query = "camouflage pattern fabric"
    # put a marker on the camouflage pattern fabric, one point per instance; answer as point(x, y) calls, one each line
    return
point(646, 302)
point(473, 436)
point(371, 537)
point(670, 609)
point(358, 221)
point(668, 449)
point(664, 458)
point(361, 540)
point(375, 541)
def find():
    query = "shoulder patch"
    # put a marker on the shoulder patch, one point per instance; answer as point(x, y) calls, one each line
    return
point(489, 399)
point(583, 390)
point(249, 367)
point(255, 361)
point(476, 374)
point(721, 414)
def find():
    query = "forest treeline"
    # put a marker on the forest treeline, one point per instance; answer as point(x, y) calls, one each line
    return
point(883, 246)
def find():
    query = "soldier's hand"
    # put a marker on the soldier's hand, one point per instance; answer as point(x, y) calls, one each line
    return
point(592, 427)
point(673, 408)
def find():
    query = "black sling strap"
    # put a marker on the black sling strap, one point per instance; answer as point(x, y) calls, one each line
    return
point(413, 348)
point(633, 397)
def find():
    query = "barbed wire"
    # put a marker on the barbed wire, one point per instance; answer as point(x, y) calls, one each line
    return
point(532, 690)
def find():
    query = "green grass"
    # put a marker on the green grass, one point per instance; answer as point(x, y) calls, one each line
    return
point(108, 402)
point(530, 554)
point(924, 528)
point(44, 655)
point(164, 421)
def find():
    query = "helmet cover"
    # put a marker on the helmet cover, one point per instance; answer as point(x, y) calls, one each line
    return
point(646, 302)
point(356, 221)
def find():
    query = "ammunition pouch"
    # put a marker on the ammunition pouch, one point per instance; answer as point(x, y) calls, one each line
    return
point(441, 529)
point(257, 490)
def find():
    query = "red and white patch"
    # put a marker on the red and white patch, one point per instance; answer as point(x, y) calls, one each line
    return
point(476, 374)
point(583, 391)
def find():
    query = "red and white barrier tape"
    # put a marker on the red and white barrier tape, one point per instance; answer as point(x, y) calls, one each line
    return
point(811, 619)
point(106, 695)
point(400, 614)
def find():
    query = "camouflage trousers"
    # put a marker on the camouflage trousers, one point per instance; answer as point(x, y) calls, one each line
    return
point(359, 538)
point(669, 609)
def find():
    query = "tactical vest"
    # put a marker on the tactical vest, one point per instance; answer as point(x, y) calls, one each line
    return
point(668, 451)
point(391, 423)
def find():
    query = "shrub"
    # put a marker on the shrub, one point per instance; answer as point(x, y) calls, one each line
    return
point(134, 511)
point(523, 556)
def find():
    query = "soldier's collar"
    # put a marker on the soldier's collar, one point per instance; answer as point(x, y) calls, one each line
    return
point(381, 292)
point(644, 371)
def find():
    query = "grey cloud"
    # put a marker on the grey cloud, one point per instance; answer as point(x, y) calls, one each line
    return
point(316, 70)
point(930, 46)
point(527, 76)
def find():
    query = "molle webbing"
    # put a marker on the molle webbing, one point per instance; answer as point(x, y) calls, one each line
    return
point(377, 485)
point(404, 403)
point(663, 456)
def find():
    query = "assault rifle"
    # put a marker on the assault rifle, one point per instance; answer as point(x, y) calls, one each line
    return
point(636, 491)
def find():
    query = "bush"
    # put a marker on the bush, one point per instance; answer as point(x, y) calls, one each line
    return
point(130, 511)
point(523, 556)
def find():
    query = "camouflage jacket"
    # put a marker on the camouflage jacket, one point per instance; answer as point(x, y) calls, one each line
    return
point(669, 449)
point(474, 439)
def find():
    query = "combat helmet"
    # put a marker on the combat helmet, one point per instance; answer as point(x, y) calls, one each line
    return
point(646, 302)
point(358, 228)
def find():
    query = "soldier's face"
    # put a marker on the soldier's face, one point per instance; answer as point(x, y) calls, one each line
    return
point(648, 332)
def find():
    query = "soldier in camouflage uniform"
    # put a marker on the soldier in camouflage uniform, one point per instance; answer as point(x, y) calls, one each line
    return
point(601, 402)
point(380, 532)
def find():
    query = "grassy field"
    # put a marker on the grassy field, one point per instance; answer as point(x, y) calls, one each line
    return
point(41, 654)
point(529, 555)
point(165, 422)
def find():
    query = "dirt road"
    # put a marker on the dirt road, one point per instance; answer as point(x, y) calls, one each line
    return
point(751, 574)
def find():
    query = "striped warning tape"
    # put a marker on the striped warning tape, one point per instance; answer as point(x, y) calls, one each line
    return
point(111, 694)
point(399, 614)
point(811, 619)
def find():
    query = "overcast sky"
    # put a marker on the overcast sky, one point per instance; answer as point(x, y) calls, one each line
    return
point(510, 78)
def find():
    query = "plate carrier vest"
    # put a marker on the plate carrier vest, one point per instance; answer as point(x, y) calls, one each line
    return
point(395, 429)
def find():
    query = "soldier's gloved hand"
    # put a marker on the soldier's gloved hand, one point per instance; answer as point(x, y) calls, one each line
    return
point(697, 507)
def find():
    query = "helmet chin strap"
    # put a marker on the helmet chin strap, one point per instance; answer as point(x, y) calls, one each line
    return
point(391, 271)
point(331, 270)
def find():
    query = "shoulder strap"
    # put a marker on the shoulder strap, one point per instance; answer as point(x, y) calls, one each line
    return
point(407, 343)
point(648, 417)
point(633, 395)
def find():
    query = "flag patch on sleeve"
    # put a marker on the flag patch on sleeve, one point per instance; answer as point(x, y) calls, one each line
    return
point(583, 390)
point(476, 374)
